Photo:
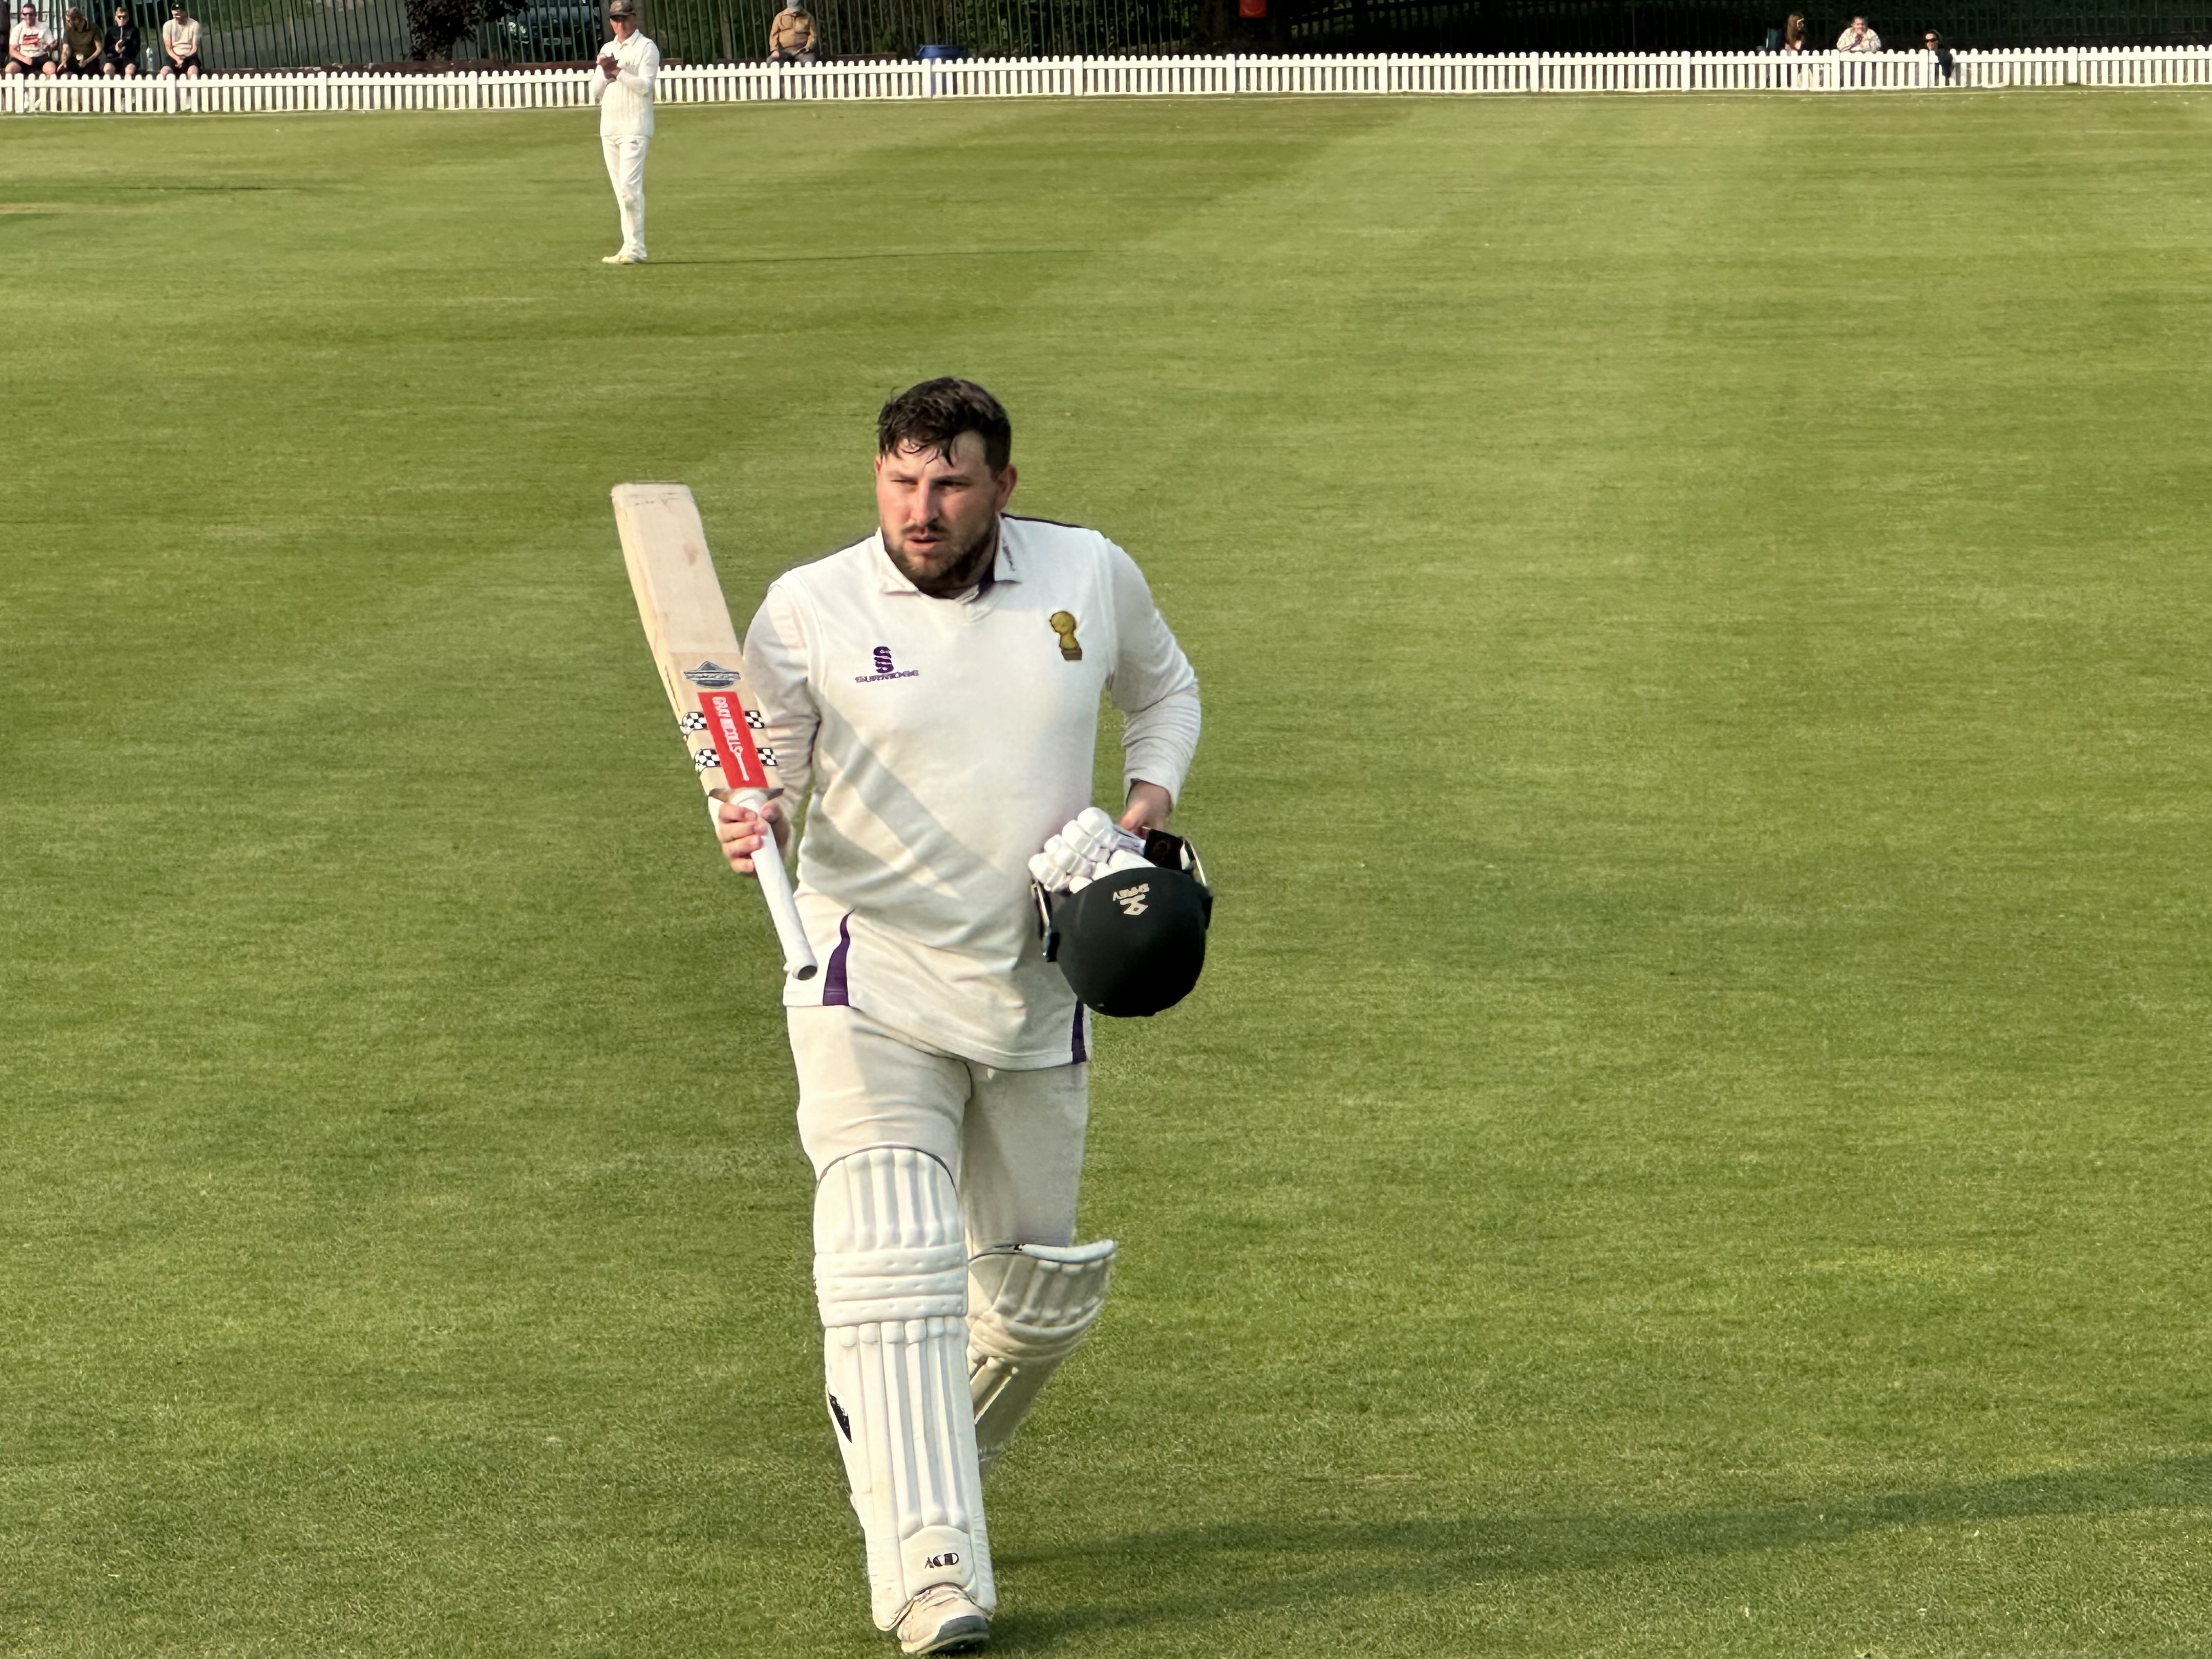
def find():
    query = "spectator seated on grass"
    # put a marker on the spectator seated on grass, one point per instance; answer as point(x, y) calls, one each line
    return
point(119, 49)
point(1859, 37)
point(33, 48)
point(791, 35)
point(181, 43)
point(80, 44)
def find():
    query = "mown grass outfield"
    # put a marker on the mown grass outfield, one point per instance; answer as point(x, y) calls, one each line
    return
point(1694, 1137)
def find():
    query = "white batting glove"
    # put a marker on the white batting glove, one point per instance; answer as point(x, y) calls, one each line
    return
point(1122, 859)
point(1090, 844)
point(1053, 868)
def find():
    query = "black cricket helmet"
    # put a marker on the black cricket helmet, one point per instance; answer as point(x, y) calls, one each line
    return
point(1133, 943)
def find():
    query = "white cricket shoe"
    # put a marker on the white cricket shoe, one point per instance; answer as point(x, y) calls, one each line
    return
point(621, 259)
point(941, 1619)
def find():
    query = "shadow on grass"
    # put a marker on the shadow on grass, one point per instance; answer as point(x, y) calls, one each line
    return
point(1202, 1571)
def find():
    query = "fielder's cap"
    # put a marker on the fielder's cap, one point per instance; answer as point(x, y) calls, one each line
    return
point(1133, 943)
point(623, 9)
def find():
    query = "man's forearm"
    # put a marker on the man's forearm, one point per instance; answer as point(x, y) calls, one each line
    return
point(1159, 742)
point(1148, 807)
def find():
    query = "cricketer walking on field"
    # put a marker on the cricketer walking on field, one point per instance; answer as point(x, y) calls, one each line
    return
point(936, 688)
point(628, 66)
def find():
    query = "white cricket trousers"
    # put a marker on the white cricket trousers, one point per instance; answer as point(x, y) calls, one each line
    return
point(1011, 1140)
point(922, 1160)
point(626, 168)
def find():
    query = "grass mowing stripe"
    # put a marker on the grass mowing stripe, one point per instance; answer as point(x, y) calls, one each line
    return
point(1712, 1170)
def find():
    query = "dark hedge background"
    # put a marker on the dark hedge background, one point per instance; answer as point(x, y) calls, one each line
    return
point(273, 33)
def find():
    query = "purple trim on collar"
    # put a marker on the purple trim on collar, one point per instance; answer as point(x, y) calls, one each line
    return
point(835, 995)
point(1082, 1052)
point(890, 579)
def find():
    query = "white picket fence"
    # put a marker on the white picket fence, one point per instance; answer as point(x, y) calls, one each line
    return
point(1109, 78)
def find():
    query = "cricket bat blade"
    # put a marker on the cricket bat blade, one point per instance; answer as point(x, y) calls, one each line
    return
point(702, 669)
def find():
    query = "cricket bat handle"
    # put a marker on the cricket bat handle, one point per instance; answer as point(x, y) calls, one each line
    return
point(776, 888)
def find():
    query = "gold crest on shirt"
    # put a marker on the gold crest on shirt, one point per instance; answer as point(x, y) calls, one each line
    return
point(1063, 624)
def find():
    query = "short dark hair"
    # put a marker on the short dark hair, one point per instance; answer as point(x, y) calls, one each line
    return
point(933, 415)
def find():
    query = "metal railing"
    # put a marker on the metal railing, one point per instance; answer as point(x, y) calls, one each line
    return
point(355, 33)
point(1445, 75)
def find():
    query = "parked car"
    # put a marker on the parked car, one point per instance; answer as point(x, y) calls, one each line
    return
point(552, 31)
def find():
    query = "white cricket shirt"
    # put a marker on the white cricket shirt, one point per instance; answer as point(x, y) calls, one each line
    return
point(626, 102)
point(944, 740)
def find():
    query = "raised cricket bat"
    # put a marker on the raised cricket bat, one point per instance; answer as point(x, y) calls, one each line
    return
point(687, 624)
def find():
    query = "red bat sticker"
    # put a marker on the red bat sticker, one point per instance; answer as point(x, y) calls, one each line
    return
point(733, 740)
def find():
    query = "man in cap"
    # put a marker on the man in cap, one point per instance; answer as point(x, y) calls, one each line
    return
point(791, 35)
point(181, 43)
point(622, 86)
point(937, 686)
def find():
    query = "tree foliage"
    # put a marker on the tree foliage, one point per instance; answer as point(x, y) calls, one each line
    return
point(434, 26)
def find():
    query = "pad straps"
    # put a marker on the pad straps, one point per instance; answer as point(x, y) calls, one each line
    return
point(890, 1278)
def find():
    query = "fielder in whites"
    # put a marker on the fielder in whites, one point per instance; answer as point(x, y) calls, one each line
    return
point(622, 86)
point(935, 690)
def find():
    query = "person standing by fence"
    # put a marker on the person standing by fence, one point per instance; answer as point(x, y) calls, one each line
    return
point(791, 35)
point(629, 65)
point(181, 43)
point(1792, 33)
point(120, 54)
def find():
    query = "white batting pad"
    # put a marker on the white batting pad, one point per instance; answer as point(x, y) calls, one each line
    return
point(889, 1273)
point(1029, 1308)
